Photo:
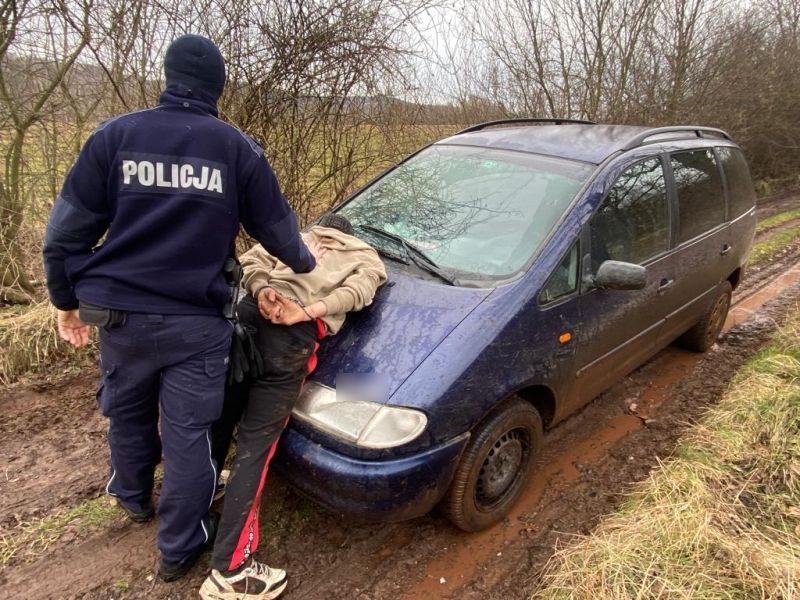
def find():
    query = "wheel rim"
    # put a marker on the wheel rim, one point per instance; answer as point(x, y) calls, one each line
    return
point(502, 468)
point(717, 319)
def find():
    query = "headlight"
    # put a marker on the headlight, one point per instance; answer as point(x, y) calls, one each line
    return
point(360, 422)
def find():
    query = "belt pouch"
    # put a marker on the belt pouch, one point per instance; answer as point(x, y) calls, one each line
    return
point(99, 316)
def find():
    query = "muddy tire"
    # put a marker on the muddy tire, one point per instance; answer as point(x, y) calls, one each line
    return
point(705, 332)
point(494, 467)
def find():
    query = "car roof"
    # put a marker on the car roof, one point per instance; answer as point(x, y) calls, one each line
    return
point(586, 143)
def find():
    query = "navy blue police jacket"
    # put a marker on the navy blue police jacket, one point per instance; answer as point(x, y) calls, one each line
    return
point(168, 187)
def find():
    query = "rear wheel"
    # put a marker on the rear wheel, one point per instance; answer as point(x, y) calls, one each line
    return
point(494, 467)
point(705, 332)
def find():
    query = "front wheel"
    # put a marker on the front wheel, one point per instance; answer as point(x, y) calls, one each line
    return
point(705, 332)
point(494, 467)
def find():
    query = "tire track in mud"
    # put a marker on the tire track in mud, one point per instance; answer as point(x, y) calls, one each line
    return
point(778, 203)
point(49, 446)
point(109, 557)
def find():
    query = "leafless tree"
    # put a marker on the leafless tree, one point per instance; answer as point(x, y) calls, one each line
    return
point(54, 32)
point(734, 65)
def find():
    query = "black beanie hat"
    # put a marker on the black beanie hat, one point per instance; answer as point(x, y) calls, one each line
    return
point(336, 221)
point(196, 63)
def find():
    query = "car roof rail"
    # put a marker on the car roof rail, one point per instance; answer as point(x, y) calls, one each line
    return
point(486, 124)
point(700, 132)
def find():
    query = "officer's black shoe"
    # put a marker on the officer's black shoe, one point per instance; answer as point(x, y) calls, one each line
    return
point(137, 516)
point(172, 571)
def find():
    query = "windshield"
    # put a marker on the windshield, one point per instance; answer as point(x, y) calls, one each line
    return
point(478, 213)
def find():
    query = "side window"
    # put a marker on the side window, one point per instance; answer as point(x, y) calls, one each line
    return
point(741, 195)
point(701, 203)
point(632, 223)
point(564, 279)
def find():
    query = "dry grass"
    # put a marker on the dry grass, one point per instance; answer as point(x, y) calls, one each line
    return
point(779, 219)
point(29, 342)
point(27, 541)
point(719, 520)
point(773, 244)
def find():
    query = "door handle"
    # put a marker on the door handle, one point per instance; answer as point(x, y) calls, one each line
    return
point(664, 284)
point(725, 249)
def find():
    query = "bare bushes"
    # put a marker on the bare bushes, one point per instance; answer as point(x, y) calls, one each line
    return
point(709, 62)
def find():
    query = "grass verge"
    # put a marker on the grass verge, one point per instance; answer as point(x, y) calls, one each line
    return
point(773, 244)
point(721, 518)
point(29, 540)
point(30, 342)
point(778, 219)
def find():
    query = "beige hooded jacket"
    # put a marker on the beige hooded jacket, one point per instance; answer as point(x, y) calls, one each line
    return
point(345, 278)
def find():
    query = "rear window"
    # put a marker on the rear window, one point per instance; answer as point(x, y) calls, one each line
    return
point(701, 201)
point(741, 195)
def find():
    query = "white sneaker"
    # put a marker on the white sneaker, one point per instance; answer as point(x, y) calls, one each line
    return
point(256, 582)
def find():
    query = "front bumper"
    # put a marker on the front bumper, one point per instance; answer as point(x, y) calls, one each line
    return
point(385, 490)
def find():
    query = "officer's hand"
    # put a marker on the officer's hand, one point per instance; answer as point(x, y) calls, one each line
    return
point(71, 329)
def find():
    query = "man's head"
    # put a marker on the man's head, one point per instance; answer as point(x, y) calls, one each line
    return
point(195, 63)
point(336, 221)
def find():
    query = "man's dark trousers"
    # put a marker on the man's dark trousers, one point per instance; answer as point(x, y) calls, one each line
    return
point(262, 408)
point(175, 365)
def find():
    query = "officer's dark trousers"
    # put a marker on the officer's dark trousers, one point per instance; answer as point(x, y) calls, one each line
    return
point(262, 409)
point(175, 365)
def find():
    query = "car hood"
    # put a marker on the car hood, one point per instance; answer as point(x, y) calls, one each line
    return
point(408, 318)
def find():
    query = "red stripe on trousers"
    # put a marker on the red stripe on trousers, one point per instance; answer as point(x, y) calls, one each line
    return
point(248, 538)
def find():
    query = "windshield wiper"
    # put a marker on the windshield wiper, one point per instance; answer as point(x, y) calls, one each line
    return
point(402, 241)
point(422, 260)
point(391, 255)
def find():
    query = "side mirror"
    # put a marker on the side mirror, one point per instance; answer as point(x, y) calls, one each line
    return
point(617, 275)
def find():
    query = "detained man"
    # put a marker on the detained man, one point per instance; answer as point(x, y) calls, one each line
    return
point(290, 312)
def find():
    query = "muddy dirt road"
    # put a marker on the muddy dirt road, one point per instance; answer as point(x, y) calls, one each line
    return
point(53, 455)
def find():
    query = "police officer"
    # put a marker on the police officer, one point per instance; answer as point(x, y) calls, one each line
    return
point(168, 186)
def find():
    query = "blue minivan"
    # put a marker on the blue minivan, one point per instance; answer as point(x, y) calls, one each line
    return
point(532, 263)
